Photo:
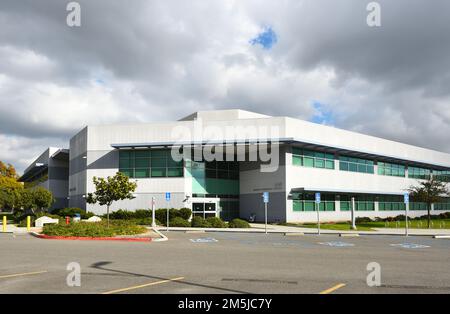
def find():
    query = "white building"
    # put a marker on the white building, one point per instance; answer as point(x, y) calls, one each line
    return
point(304, 158)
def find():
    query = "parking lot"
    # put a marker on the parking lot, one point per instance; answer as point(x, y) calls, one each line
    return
point(226, 263)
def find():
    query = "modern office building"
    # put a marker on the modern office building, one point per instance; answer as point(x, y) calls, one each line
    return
point(230, 157)
point(51, 171)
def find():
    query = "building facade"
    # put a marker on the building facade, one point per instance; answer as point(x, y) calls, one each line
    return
point(230, 157)
point(51, 171)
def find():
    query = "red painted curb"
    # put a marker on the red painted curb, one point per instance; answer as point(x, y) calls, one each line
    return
point(44, 236)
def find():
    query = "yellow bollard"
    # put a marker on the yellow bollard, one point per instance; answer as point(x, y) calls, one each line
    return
point(4, 223)
point(28, 223)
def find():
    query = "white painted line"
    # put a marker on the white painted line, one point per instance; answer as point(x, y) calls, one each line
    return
point(441, 236)
point(292, 234)
point(348, 235)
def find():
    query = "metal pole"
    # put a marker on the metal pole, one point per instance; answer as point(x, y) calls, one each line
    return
point(153, 213)
point(406, 220)
point(318, 219)
point(353, 214)
point(167, 223)
point(265, 217)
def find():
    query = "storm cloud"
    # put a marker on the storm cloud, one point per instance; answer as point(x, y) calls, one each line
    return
point(154, 60)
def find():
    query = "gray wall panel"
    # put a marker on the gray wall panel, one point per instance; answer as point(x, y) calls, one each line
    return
point(253, 204)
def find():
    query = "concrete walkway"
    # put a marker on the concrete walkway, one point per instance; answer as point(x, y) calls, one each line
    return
point(259, 228)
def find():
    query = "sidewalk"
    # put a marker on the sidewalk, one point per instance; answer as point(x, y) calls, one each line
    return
point(276, 229)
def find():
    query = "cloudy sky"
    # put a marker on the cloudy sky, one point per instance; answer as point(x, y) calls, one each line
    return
point(148, 60)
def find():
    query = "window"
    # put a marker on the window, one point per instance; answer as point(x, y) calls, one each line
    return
point(356, 164)
point(312, 159)
point(149, 163)
point(441, 175)
point(419, 173)
point(305, 202)
point(394, 170)
point(443, 205)
point(391, 202)
point(364, 203)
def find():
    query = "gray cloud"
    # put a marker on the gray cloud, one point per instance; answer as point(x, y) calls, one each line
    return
point(160, 60)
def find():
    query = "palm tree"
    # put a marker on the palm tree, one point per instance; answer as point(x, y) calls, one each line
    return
point(429, 192)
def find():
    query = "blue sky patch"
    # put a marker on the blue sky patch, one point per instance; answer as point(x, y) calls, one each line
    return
point(267, 38)
point(323, 114)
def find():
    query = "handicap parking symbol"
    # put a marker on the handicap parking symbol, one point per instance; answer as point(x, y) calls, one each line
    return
point(337, 244)
point(410, 245)
point(204, 240)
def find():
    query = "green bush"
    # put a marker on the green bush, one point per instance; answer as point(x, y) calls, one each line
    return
point(71, 212)
point(185, 213)
point(216, 222)
point(179, 222)
point(161, 214)
point(238, 223)
point(359, 220)
point(141, 221)
point(93, 229)
point(199, 222)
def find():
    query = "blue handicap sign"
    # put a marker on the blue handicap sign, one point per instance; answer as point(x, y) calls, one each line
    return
point(266, 197)
point(317, 198)
point(167, 196)
point(406, 198)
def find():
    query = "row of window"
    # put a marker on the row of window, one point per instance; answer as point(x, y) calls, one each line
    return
point(149, 163)
point(313, 159)
point(305, 202)
point(307, 158)
point(214, 169)
point(356, 164)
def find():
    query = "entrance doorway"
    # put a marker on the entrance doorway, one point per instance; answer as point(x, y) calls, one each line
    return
point(205, 207)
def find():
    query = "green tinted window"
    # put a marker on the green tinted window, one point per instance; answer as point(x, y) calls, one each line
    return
point(394, 170)
point(312, 159)
point(149, 163)
point(355, 164)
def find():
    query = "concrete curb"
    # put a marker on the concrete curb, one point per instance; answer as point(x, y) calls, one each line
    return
point(137, 239)
point(304, 232)
point(441, 236)
point(163, 237)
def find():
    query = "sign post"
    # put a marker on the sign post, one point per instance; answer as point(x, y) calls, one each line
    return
point(153, 213)
point(317, 209)
point(353, 214)
point(266, 201)
point(168, 203)
point(406, 200)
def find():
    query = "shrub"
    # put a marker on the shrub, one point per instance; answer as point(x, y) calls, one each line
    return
point(200, 222)
point(362, 219)
point(185, 213)
point(93, 229)
point(238, 223)
point(161, 214)
point(179, 222)
point(70, 211)
point(216, 222)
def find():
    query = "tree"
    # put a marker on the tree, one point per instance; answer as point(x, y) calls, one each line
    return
point(10, 191)
point(42, 198)
point(429, 192)
point(7, 170)
point(111, 189)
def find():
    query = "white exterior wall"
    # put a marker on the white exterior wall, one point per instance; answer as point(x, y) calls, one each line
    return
point(346, 182)
point(101, 160)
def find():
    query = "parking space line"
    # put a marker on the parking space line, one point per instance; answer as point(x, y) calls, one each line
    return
point(23, 274)
point(143, 286)
point(332, 289)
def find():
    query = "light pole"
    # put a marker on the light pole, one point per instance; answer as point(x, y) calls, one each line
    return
point(153, 212)
point(353, 214)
